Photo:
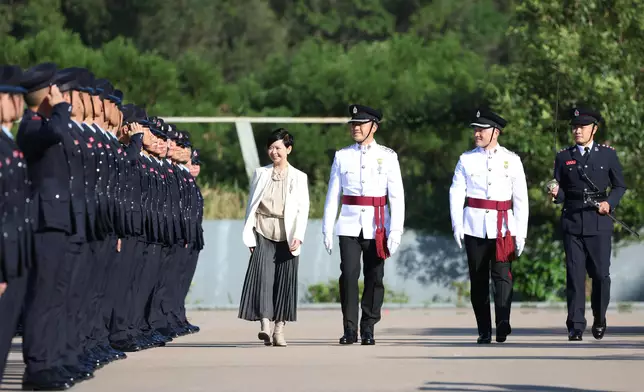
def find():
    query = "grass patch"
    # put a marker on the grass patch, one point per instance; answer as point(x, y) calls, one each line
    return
point(229, 202)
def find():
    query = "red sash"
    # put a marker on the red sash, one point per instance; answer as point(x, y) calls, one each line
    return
point(505, 251)
point(379, 203)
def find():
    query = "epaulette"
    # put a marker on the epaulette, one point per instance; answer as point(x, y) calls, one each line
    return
point(510, 152)
point(389, 150)
point(566, 149)
point(346, 148)
point(607, 146)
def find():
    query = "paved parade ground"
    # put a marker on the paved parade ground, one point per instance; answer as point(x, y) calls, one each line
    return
point(417, 350)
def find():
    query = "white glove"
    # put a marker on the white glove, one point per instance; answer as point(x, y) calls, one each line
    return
point(520, 245)
point(458, 236)
point(328, 243)
point(393, 241)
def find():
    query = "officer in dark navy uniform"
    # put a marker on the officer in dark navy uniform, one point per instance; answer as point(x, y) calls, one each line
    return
point(584, 172)
point(40, 137)
point(15, 226)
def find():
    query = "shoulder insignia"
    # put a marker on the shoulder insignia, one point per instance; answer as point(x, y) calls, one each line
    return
point(389, 150)
point(510, 152)
point(566, 149)
point(607, 146)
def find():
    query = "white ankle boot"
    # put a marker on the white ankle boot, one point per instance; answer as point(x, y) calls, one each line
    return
point(278, 334)
point(265, 332)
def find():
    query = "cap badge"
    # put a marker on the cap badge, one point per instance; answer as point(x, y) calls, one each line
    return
point(355, 110)
point(478, 113)
point(505, 164)
point(576, 113)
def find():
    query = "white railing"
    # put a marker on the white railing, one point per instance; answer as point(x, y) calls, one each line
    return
point(245, 130)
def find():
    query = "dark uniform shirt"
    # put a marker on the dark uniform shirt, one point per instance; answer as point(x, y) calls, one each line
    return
point(577, 193)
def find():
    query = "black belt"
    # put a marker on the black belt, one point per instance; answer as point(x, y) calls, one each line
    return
point(585, 195)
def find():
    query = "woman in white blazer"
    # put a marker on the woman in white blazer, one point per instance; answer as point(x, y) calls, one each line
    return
point(276, 217)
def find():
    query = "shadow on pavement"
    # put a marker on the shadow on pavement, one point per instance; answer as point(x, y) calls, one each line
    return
point(610, 331)
point(528, 357)
point(473, 387)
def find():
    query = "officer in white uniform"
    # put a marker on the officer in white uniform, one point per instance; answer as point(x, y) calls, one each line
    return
point(488, 206)
point(365, 174)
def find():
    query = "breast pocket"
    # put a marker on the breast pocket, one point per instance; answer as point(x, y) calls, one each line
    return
point(350, 177)
point(599, 176)
point(478, 179)
point(380, 177)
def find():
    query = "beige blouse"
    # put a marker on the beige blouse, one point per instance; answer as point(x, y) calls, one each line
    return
point(269, 218)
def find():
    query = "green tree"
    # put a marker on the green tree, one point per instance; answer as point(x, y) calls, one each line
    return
point(567, 53)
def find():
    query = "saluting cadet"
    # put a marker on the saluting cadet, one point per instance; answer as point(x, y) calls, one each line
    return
point(77, 251)
point(365, 174)
point(490, 182)
point(584, 171)
point(41, 137)
point(15, 224)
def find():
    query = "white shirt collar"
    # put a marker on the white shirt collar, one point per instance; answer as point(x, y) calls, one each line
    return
point(369, 146)
point(491, 151)
point(581, 148)
point(6, 130)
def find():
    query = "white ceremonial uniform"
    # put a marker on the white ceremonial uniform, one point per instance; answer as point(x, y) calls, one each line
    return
point(498, 175)
point(371, 170)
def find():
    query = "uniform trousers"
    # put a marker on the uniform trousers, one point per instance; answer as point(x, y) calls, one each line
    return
point(175, 272)
point(592, 254)
point(124, 313)
point(86, 316)
point(160, 305)
point(186, 280)
point(481, 259)
point(119, 289)
point(45, 310)
point(78, 255)
point(373, 294)
point(10, 309)
point(103, 252)
point(145, 273)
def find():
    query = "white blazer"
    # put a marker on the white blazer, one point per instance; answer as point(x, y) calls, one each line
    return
point(296, 205)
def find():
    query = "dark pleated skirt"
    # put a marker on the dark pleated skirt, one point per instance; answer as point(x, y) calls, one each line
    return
point(270, 286)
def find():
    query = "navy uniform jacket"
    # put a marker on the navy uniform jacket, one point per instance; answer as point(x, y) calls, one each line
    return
point(72, 142)
point(95, 140)
point(90, 177)
point(41, 141)
point(15, 225)
point(132, 187)
point(146, 196)
point(603, 168)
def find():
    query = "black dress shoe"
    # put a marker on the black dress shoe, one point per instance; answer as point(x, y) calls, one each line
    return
point(169, 332)
point(367, 339)
point(502, 331)
point(484, 338)
point(349, 337)
point(575, 335)
point(45, 380)
point(79, 373)
point(599, 329)
point(127, 346)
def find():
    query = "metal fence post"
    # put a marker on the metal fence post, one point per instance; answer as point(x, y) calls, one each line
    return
point(248, 147)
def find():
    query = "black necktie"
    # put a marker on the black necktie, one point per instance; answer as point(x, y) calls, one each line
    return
point(586, 154)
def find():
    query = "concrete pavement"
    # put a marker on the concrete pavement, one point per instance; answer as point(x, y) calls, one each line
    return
point(417, 350)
